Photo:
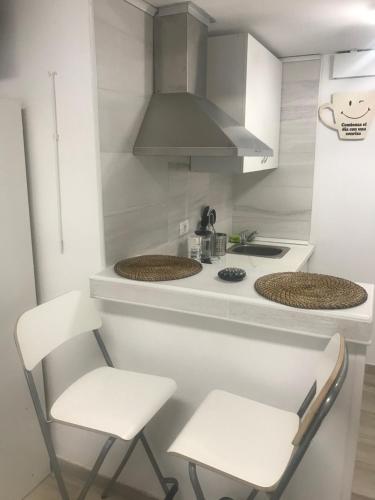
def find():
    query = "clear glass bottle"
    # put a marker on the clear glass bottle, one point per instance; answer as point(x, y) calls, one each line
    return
point(195, 247)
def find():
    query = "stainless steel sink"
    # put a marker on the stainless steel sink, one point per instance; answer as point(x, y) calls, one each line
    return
point(270, 252)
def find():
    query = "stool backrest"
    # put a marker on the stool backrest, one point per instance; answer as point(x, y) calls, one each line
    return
point(329, 368)
point(42, 329)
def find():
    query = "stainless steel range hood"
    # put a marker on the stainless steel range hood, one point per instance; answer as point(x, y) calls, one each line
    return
point(180, 121)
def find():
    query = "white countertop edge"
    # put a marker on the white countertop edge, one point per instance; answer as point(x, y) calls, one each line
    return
point(230, 320)
point(258, 301)
point(282, 241)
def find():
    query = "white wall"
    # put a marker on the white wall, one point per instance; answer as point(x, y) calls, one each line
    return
point(144, 199)
point(55, 35)
point(37, 37)
point(343, 218)
point(277, 203)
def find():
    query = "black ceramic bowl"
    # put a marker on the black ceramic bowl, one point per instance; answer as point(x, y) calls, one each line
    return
point(232, 274)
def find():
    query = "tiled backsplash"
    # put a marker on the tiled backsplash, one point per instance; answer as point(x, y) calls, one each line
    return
point(144, 198)
point(277, 203)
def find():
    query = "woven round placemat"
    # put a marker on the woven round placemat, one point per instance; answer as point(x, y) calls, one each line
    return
point(310, 291)
point(157, 268)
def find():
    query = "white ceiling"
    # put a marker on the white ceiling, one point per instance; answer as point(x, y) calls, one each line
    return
point(295, 27)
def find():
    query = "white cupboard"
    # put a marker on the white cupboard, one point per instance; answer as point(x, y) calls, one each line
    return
point(244, 79)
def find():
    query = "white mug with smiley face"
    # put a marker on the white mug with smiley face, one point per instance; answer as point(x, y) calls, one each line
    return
point(352, 112)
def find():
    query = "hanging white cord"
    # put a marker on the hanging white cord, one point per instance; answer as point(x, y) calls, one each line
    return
point(52, 75)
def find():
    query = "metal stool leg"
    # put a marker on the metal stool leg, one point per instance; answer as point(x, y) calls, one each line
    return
point(53, 461)
point(94, 471)
point(44, 426)
point(196, 484)
point(169, 484)
point(109, 487)
point(195, 481)
point(198, 489)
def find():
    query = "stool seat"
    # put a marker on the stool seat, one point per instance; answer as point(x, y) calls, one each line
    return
point(117, 402)
point(240, 438)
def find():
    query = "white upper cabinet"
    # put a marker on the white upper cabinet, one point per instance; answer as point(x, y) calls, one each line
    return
point(244, 80)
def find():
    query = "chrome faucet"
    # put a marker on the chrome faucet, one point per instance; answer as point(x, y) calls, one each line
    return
point(247, 236)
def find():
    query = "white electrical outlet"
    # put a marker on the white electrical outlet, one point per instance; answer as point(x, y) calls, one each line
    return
point(184, 227)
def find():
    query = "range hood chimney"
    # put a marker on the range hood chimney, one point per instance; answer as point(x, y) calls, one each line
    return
point(180, 121)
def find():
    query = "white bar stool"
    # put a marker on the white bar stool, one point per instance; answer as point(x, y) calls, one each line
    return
point(115, 402)
point(255, 443)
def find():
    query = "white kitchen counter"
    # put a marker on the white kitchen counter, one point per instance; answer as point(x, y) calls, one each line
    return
point(206, 295)
point(209, 334)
